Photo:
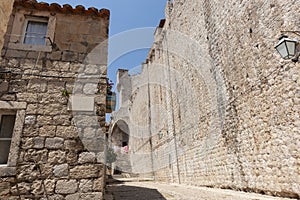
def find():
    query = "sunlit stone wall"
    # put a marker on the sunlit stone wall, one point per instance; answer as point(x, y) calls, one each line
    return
point(223, 107)
point(58, 93)
point(5, 11)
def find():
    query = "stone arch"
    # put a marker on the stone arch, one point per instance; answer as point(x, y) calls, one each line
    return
point(119, 141)
point(119, 135)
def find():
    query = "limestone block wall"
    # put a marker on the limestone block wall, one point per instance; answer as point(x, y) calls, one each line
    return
point(139, 124)
point(5, 11)
point(228, 104)
point(61, 148)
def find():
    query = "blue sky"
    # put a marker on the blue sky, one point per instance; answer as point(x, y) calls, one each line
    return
point(126, 15)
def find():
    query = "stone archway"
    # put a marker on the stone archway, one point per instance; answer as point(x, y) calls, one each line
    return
point(119, 138)
point(120, 134)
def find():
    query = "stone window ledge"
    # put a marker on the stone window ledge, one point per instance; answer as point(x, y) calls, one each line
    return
point(12, 105)
point(26, 47)
point(6, 171)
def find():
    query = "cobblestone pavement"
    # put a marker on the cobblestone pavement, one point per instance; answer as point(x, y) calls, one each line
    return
point(159, 191)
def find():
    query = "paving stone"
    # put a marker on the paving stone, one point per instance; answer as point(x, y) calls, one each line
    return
point(161, 191)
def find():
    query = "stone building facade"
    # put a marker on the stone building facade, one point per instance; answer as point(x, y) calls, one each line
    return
point(53, 69)
point(5, 11)
point(215, 105)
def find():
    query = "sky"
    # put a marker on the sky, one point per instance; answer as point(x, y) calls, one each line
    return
point(132, 24)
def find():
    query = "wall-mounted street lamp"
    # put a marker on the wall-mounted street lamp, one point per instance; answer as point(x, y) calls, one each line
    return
point(287, 48)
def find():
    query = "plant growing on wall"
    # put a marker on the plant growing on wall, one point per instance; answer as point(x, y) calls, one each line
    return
point(65, 93)
point(109, 86)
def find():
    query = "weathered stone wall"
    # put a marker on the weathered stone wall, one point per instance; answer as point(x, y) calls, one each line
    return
point(223, 106)
point(61, 150)
point(5, 11)
point(71, 42)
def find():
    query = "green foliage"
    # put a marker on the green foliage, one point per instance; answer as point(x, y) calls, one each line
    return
point(109, 87)
point(65, 93)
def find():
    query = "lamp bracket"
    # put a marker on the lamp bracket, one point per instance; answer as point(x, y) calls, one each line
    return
point(295, 32)
point(296, 57)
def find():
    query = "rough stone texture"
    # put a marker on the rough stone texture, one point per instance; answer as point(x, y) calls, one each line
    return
point(54, 143)
point(87, 157)
point(86, 186)
point(5, 11)
point(38, 142)
point(86, 171)
point(98, 184)
point(66, 187)
point(61, 170)
point(37, 187)
point(73, 197)
point(30, 119)
point(222, 108)
point(49, 186)
point(4, 188)
point(57, 157)
point(66, 132)
point(50, 149)
point(54, 197)
point(91, 196)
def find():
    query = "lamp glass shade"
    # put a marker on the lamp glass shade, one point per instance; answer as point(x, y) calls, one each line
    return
point(286, 48)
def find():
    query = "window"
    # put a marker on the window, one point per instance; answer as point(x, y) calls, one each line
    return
point(7, 122)
point(36, 31)
point(32, 31)
point(12, 117)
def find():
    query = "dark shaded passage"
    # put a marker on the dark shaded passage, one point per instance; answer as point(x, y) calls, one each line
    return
point(116, 190)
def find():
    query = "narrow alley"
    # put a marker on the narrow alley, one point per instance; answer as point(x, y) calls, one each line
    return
point(149, 100)
point(141, 189)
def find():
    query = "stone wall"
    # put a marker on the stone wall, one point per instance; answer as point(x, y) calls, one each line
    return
point(5, 11)
point(223, 105)
point(61, 149)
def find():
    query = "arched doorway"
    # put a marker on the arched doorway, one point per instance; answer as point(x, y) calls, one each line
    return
point(119, 139)
point(120, 134)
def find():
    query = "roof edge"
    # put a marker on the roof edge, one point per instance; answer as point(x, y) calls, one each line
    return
point(66, 8)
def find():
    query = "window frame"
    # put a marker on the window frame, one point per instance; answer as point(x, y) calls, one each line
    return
point(19, 108)
point(2, 113)
point(19, 24)
point(34, 19)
